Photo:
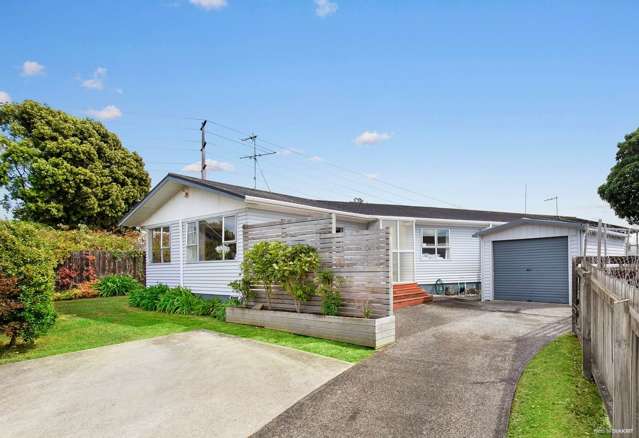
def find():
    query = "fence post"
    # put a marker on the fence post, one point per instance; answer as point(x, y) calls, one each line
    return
point(586, 324)
point(622, 415)
point(574, 301)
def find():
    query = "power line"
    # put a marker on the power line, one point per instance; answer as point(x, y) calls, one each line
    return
point(329, 163)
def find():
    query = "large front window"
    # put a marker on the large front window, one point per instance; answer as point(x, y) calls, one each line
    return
point(160, 245)
point(211, 239)
point(436, 243)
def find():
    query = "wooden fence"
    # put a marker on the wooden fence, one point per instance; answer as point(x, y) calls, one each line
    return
point(361, 258)
point(606, 319)
point(88, 265)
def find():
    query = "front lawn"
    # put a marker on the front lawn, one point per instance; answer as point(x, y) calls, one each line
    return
point(91, 323)
point(554, 400)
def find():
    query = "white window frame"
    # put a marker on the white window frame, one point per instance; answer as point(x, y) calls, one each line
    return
point(436, 246)
point(162, 247)
point(197, 238)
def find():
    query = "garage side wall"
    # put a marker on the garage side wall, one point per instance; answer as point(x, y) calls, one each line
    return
point(524, 232)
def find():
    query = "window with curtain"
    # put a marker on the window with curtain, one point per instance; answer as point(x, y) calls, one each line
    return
point(161, 245)
point(436, 243)
point(211, 239)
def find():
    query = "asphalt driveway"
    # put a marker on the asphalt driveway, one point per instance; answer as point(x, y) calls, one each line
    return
point(451, 373)
point(195, 384)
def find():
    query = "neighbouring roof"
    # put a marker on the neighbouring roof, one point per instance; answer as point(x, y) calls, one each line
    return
point(364, 208)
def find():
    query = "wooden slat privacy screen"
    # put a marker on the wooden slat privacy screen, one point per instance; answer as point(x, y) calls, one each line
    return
point(362, 258)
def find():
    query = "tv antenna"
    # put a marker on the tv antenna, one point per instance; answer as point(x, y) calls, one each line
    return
point(556, 199)
point(254, 157)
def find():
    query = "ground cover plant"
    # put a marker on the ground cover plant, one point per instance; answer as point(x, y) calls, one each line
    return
point(554, 400)
point(84, 324)
point(114, 285)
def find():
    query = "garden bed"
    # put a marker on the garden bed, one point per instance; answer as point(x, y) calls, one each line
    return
point(360, 331)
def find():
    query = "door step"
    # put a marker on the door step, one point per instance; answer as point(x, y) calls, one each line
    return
point(411, 294)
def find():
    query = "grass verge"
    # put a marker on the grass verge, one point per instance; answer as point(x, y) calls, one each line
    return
point(554, 400)
point(96, 322)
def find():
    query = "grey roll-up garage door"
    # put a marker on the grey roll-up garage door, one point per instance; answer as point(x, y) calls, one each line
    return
point(531, 269)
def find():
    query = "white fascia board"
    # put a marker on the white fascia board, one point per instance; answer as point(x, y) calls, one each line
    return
point(265, 201)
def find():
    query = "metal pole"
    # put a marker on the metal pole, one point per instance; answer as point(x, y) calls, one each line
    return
point(203, 150)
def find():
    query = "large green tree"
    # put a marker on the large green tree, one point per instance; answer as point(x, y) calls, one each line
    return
point(60, 169)
point(621, 189)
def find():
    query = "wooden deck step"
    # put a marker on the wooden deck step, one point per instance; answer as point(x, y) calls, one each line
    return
point(410, 294)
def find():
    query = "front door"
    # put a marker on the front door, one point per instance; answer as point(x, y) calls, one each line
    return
point(402, 242)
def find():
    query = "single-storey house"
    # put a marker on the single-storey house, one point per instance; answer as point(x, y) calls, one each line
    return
point(195, 240)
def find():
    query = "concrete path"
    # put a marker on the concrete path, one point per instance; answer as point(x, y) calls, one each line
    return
point(195, 384)
point(452, 373)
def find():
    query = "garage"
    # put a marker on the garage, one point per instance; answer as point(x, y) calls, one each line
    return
point(529, 260)
point(531, 269)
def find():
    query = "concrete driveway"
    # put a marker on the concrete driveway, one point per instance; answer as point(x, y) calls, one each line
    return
point(195, 384)
point(452, 373)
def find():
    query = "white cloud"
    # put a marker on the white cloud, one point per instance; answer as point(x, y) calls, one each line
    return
point(97, 80)
point(212, 165)
point(324, 8)
point(109, 112)
point(372, 137)
point(4, 97)
point(119, 90)
point(32, 68)
point(316, 158)
point(209, 4)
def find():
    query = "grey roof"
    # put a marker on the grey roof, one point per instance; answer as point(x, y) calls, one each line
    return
point(528, 221)
point(373, 209)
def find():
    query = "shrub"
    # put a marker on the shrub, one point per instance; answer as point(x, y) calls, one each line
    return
point(327, 287)
point(147, 298)
point(10, 306)
point(28, 258)
point(66, 277)
point(262, 264)
point(82, 290)
point(114, 285)
point(298, 262)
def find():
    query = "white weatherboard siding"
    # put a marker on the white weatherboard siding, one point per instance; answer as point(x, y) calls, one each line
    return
point(213, 277)
point(613, 247)
point(165, 273)
point(463, 264)
point(198, 203)
point(209, 277)
point(524, 232)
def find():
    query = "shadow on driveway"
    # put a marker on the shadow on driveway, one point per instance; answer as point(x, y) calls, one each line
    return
point(451, 373)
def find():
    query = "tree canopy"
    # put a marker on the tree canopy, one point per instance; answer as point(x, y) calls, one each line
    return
point(60, 169)
point(621, 189)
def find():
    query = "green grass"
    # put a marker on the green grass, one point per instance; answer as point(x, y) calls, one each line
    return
point(91, 323)
point(554, 400)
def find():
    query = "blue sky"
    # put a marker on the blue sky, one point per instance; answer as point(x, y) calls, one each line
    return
point(464, 102)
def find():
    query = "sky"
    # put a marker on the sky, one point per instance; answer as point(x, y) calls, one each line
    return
point(441, 103)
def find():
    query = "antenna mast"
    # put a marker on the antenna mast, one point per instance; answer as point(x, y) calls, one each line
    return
point(203, 149)
point(556, 199)
point(254, 156)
